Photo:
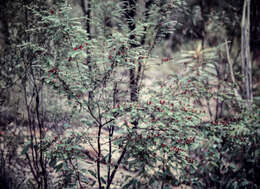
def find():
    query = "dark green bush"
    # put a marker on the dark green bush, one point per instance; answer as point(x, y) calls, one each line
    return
point(233, 160)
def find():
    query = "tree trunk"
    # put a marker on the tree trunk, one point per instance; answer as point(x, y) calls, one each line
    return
point(245, 54)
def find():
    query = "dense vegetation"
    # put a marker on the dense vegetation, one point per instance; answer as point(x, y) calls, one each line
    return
point(129, 94)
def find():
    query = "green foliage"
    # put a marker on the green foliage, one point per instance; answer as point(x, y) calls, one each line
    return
point(230, 158)
point(227, 155)
point(162, 137)
point(86, 67)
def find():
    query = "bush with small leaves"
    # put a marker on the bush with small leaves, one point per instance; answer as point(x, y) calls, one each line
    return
point(155, 136)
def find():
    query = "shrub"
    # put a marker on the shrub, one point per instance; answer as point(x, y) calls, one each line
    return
point(158, 135)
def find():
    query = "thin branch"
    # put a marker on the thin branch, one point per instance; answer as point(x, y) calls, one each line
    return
point(236, 89)
point(116, 166)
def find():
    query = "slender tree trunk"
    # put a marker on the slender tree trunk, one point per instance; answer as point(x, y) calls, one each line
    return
point(86, 9)
point(245, 53)
point(130, 14)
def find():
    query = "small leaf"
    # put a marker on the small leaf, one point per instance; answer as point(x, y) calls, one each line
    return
point(93, 183)
point(84, 170)
point(26, 148)
point(58, 167)
point(53, 162)
point(245, 182)
point(74, 54)
point(67, 125)
point(85, 179)
point(132, 182)
point(92, 173)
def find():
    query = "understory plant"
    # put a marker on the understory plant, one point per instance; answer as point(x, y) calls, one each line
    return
point(230, 156)
point(153, 135)
point(100, 74)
